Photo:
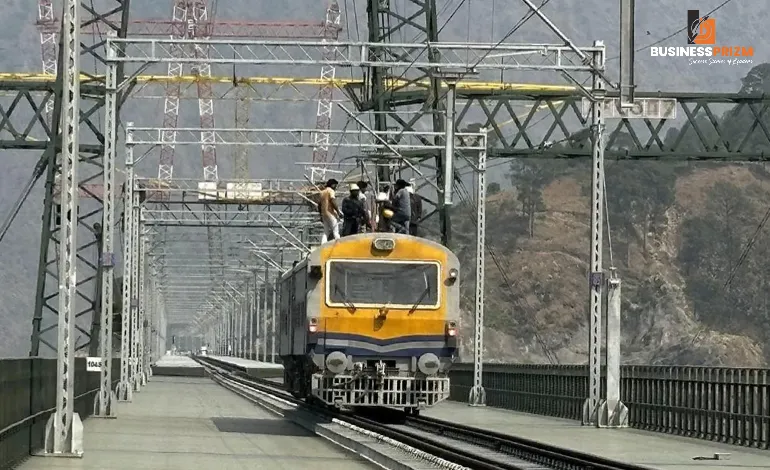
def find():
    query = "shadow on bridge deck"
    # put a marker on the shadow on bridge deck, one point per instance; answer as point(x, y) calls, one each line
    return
point(192, 423)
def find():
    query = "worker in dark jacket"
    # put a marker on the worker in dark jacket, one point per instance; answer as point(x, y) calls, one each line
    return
point(402, 212)
point(368, 204)
point(415, 201)
point(353, 212)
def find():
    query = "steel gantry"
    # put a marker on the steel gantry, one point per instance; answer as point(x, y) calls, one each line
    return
point(190, 19)
point(387, 24)
point(177, 211)
point(40, 134)
point(64, 431)
point(164, 203)
point(62, 124)
point(396, 57)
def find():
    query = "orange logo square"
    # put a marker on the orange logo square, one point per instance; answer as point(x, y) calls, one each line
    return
point(705, 31)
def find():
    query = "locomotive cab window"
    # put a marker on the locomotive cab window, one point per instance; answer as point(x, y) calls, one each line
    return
point(405, 284)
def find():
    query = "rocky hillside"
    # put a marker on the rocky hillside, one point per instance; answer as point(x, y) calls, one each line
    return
point(688, 239)
point(538, 308)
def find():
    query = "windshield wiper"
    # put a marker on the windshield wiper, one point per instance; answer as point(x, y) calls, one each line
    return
point(422, 296)
point(350, 306)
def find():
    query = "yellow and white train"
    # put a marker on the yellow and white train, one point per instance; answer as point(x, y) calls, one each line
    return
point(371, 320)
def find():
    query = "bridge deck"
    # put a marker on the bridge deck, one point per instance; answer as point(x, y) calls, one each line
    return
point(193, 423)
point(654, 450)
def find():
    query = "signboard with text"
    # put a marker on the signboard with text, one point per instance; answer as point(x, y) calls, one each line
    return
point(93, 364)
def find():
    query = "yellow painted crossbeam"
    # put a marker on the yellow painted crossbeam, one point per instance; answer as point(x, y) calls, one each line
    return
point(294, 81)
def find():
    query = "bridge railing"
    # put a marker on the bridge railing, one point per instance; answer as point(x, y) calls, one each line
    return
point(730, 405)
point(27, 399)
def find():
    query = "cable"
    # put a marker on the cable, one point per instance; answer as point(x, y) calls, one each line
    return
point(39, 170)
point(746, 249)
point(675, 32)
point(665, 38)
point(515, 28)
point(446, 23)
point(734, 271)
point(471, 206)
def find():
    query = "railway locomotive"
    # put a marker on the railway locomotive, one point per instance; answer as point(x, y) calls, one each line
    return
point(371, 320)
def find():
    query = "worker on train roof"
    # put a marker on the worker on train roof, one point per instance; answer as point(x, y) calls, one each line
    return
point(353, 212)
point(330, 212)
point(368, 204)
point(415, 203)
point(403, 207)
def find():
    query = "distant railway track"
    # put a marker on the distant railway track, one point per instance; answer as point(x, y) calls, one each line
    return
point(462, 445)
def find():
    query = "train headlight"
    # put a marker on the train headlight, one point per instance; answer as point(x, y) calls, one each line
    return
point(384, 244)
point(336, 362)
point(428, 364)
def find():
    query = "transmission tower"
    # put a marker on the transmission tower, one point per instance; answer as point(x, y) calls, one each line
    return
point(87, 217)
point(417, 20)
point(199, 26)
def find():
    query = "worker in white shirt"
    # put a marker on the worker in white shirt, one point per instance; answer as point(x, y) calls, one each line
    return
point(330, 212)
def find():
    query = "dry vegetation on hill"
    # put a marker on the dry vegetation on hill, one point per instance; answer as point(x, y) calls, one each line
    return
point(659, 322)
point(688, 240)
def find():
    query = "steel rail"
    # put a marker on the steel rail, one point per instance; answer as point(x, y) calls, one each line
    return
point(439, 450)
point(509, 446)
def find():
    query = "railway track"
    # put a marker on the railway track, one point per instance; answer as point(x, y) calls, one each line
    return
point(468, 447)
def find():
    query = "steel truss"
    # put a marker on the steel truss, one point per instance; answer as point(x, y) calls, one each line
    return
point(377, 56)
point(190, 19)
point(23, 127)
point(58, 116)
point(431, 61)
point(700, 137)
point(477, 56)
point(91, 136)
point(146, 219)
point(364, 139)
point(595, 129)
point(386, 25)
point(205, 218)
point(236, 321)
point(187, 216)
point(271, 192)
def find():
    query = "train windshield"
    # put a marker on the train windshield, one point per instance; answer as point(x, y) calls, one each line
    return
point(380, 283)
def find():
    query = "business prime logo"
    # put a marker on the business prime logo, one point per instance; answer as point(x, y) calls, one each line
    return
point(702, 47)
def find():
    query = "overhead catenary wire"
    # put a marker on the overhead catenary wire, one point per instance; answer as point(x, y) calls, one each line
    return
point(36, 174)
point(734, 271)
point(667, 37)
point(513, 30)
point(747, 249)
point(471, 207)
point(524, 19)
point(680, 30)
